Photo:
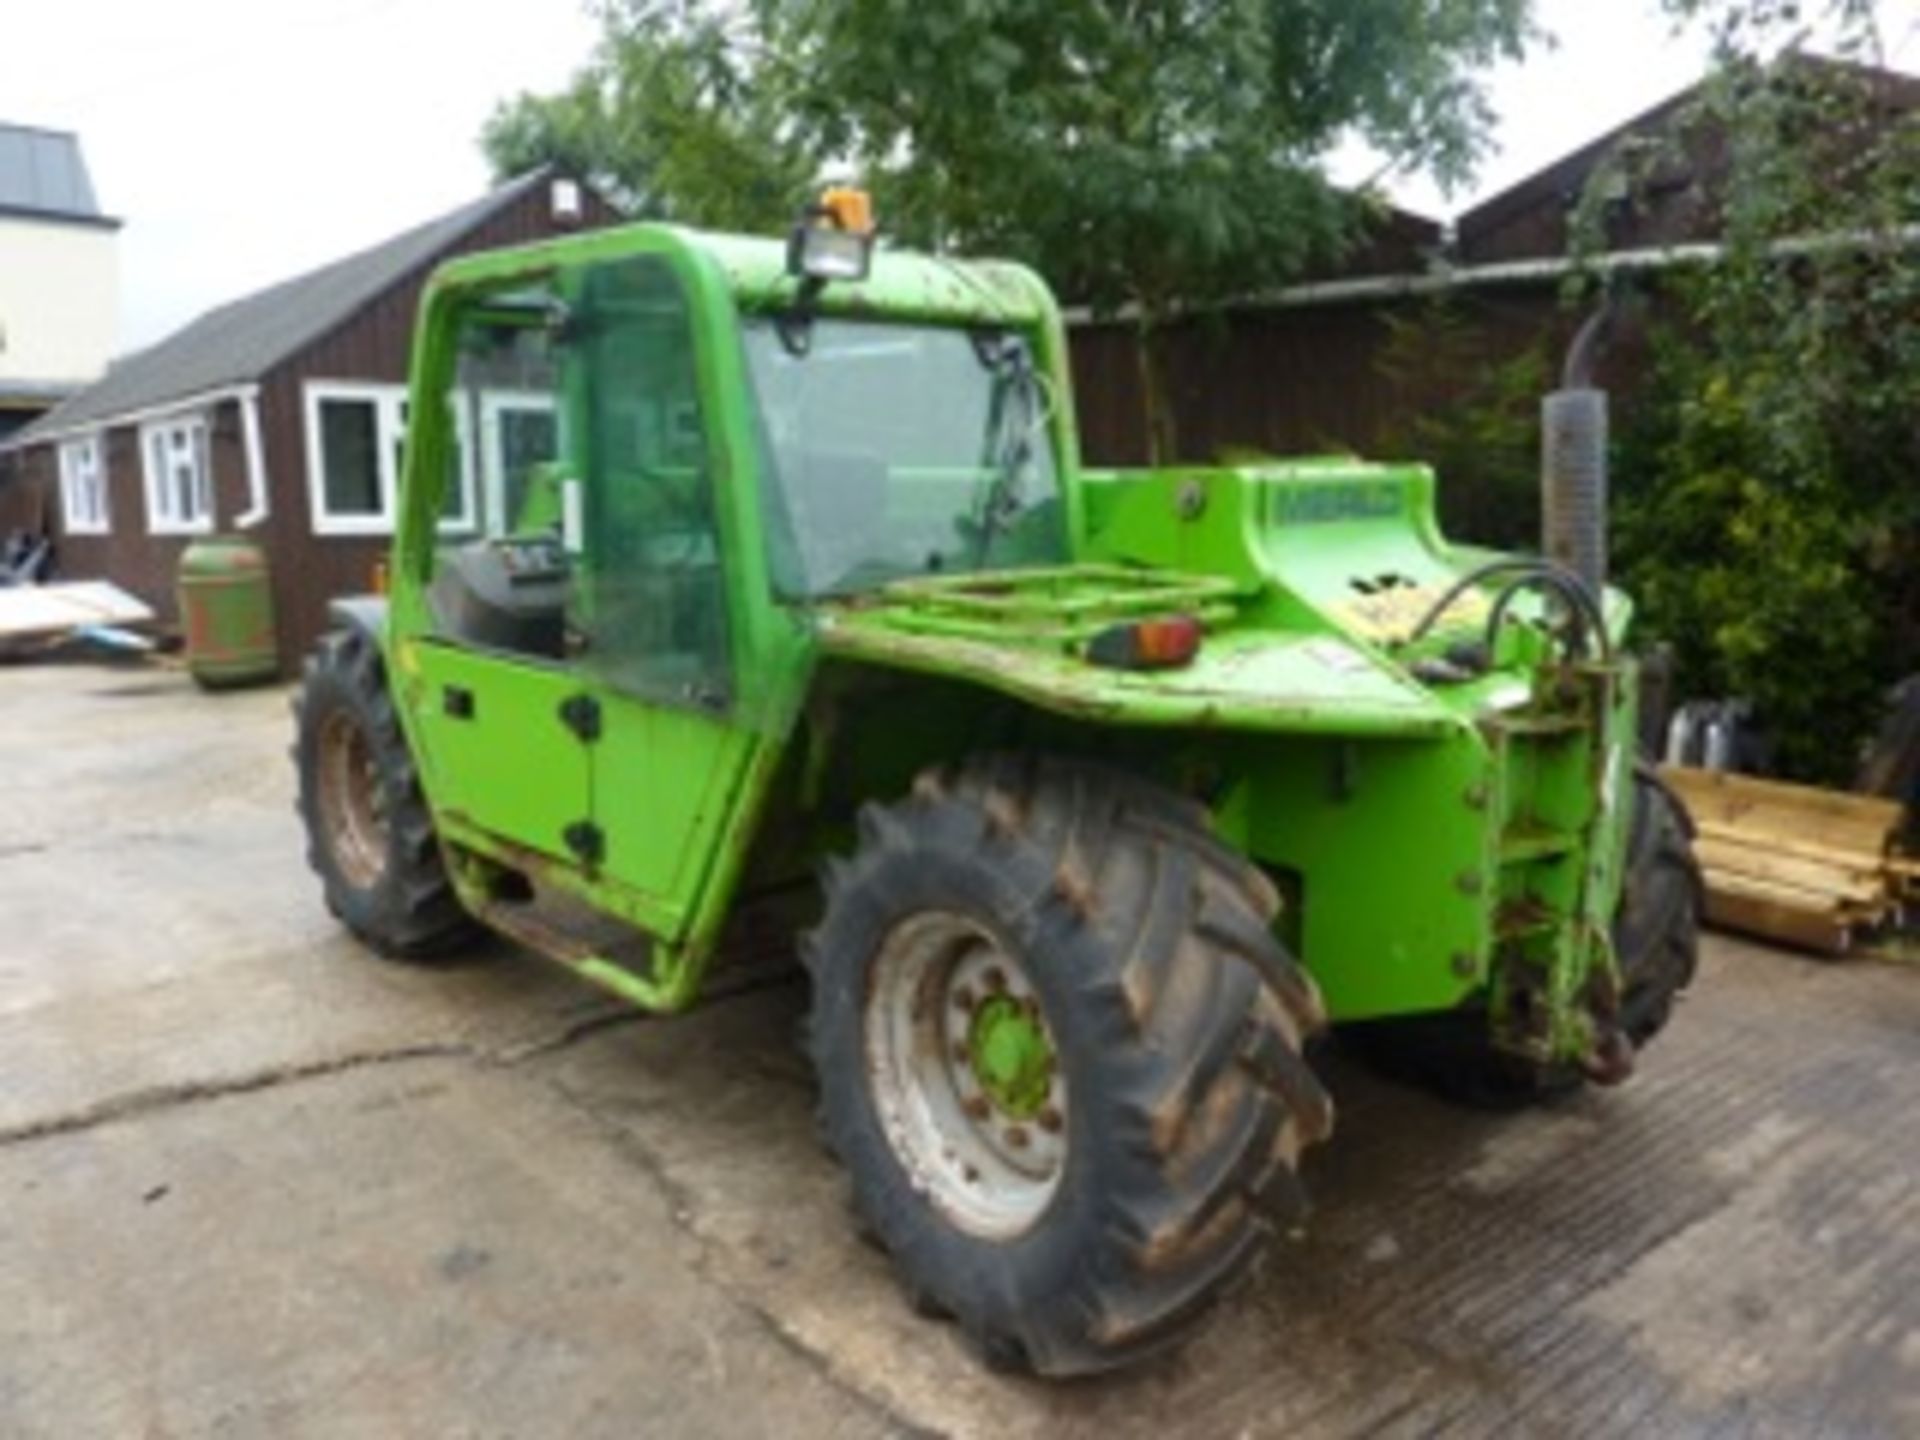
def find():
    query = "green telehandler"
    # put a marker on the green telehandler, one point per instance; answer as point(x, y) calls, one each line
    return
point(780, 561)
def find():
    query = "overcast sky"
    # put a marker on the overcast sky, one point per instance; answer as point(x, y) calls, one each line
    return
point(245, 141)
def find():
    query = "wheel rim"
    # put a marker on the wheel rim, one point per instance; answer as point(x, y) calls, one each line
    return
point(352, 804)
point(965, 1074)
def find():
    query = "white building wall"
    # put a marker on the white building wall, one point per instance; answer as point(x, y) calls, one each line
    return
point(59, 299)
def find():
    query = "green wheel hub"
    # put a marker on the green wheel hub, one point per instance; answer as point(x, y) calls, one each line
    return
point(966, 1080)
point(1012, 1056)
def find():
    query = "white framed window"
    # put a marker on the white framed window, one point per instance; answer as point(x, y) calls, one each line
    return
point(519, 431)
point(83, 486)
point(178, 467)
point(457, 502)
point(356, 445)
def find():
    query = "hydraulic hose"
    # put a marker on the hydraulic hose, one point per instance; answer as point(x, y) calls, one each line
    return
point(1527, 572)
point(1460, 587)
point(1570, 589)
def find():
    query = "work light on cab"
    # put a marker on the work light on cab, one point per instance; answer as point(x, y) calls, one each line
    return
point(834, 240)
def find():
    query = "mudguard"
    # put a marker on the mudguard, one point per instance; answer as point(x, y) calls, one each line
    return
point(365, 614)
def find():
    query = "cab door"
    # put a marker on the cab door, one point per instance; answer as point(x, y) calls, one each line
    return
point(492, 677)
point(503, 756)
point(657, 640)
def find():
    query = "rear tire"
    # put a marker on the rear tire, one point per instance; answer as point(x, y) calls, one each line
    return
point(1089, 1201)
point(1656, 932)
point(370, 836)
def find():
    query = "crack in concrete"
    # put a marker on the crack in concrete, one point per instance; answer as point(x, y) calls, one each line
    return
point(822, 1365)
point(645, 1158)
point(137, 1103)
point(565, 1037)
point(707, 1263)
point(681, 1205)
point(717, 991)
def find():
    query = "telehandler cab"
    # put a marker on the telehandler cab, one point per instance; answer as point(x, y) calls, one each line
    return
point(1123, 784)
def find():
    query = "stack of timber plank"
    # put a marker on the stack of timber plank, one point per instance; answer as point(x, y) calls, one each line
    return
point(1807, 867)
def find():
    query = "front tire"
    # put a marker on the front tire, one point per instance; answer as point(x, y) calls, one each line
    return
point(1059, 1055)
point(370, 836)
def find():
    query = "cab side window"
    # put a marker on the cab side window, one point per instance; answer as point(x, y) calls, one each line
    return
point(653, 589)
point(507, 585)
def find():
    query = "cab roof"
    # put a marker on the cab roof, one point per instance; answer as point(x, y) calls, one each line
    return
point(901, 282)
point(901, 285)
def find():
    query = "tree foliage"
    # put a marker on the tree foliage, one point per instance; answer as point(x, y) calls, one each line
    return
point(1768, 516)
point(1140, 152)
point(671, 116)
point(1143, 153)
point(1471, 409)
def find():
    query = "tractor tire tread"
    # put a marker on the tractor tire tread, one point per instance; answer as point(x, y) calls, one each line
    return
point(411, 912)
point(1188, 1009)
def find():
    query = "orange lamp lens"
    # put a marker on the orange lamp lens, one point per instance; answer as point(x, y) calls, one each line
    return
point(1161, 643)
point(848, 208)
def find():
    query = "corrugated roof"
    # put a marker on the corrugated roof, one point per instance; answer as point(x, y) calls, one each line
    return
point(42, 172)
point(243, 339)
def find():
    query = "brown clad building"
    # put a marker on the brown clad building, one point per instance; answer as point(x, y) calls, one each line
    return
point(278, 416)
point(1324, 365)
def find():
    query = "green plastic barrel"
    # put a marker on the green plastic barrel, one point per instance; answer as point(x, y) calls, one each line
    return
point(226, 611)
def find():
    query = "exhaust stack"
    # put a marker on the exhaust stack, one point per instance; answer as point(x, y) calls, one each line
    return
point(1573, 461)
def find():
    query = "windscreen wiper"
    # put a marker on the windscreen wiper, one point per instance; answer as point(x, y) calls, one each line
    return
point(1011, 418)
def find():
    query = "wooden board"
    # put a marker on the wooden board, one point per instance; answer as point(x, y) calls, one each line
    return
point(1828, 934)
point(1800, 865)
point(1820, 877)
point(1796, 826)
point(1801, 831)
point(38, 612)
point(1724, 788)
point(1852, 860)
point(1812, 902)
point(1772, 811)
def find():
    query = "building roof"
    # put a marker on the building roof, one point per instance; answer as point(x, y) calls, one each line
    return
point(240, 341)
point(35, 394)
point(1561, 180)
point(1561, 183)
point(43, 174)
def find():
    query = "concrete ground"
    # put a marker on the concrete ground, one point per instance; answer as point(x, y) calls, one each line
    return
point(255, 1183)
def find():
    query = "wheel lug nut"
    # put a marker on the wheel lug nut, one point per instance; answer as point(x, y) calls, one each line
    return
point(996, 979)
point(1051, 1120)
point(963, 998)
point(960, 1055)
point(977, 1107)
point(1017, 1137)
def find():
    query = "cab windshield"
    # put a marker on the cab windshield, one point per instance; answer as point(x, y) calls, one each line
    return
point(897, 450)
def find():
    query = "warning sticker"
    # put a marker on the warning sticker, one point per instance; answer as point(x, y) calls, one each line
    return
point(1337, 655)
point(1390, 614)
